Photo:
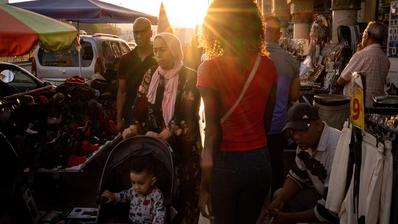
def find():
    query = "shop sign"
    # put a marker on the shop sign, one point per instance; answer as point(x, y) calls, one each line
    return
point(357, 102)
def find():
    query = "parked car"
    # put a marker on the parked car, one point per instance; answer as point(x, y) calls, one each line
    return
point(99, 54)
point(132, 44)
point(15, 80)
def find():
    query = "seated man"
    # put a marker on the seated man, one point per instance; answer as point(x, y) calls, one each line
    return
point(301, 197)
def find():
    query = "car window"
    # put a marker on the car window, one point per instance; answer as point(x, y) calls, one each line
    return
point(67, 58)
point(107, 51)
point(116, 49)
point(22, 81)
point(87, 53)
point(124, 48)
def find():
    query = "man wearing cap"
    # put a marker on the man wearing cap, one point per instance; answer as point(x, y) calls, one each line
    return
point(301, 197)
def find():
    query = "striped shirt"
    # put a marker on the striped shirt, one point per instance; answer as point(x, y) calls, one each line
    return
point(324, 153)
point(304, 176)
point(374, 64)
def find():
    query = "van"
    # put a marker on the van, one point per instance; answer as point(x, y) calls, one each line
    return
point(100, 53)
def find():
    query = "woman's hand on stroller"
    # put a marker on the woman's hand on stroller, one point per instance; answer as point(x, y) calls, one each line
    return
point(108, 196)
point(165, 134)
point(130, 131)
point(152, 134)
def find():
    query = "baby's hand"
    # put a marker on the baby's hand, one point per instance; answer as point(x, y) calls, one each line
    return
point(108, 195)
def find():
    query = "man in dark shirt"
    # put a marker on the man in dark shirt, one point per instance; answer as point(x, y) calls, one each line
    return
point(132, 68)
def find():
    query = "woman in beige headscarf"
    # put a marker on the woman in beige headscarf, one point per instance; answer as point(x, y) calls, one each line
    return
point(167, 107)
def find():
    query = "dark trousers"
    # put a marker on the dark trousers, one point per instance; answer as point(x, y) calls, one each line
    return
point(276, 145)
point(240, 183)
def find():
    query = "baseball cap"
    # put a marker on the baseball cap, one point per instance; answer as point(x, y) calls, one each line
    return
point(300, 116)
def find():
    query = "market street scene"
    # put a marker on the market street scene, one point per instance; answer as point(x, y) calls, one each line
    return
point(198, 111)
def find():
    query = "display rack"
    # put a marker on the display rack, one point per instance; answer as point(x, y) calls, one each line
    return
point(103, 150)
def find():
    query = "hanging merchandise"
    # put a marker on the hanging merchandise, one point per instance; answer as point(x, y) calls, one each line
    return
point(62, 129)
point(368, 197)
point(339, 181)
point(363, 176)
point(383, 122)
point(392, 43)
point(394, 199)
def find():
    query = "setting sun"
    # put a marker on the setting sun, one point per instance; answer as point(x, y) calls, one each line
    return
point(186, 13)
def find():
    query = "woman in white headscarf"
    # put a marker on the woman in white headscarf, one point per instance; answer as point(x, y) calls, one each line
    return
point(167, 107)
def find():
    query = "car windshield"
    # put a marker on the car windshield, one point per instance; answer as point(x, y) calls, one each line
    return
point(20, 81)
point(67, 58)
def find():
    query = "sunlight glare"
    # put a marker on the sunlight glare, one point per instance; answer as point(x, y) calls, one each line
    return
point(186, 13)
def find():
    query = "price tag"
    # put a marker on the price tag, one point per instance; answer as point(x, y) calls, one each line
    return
point(357, 102)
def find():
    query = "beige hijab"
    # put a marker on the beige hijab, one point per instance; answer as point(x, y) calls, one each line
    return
point(170, 76)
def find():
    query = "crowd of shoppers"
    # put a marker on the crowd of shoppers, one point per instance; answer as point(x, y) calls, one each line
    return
point(247, 84)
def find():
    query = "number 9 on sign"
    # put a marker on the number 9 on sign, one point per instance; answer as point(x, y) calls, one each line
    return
point(356, 109)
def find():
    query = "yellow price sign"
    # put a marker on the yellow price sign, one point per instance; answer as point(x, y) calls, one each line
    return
point(357, 102)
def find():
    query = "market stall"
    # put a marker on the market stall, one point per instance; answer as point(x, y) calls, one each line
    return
point(21, 30)
point(60, 136)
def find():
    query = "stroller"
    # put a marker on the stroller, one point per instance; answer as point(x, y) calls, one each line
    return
point(115, 175)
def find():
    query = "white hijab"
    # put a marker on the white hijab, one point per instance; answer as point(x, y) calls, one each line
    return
point(170, 76)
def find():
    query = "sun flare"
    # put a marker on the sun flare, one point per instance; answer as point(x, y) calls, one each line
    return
point(186, 13)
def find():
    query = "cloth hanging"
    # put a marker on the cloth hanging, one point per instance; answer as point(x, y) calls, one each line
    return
point(394, 198)
point(338, 175)
point(375, 185)
point(386, 188)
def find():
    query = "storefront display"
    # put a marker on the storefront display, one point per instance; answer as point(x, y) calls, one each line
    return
point(392, 43)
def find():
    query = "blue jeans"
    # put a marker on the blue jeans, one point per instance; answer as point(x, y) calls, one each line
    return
point(240, 183)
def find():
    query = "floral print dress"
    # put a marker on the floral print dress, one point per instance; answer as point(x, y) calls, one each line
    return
point(148, 209)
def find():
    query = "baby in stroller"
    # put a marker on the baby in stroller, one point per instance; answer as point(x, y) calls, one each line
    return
point(146, 200)
point(154, 159)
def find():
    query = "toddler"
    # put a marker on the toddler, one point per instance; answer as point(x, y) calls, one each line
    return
point(146, 200)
